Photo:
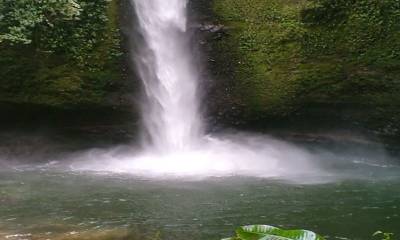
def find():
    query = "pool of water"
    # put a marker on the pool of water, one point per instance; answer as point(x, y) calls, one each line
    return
point(41, 203)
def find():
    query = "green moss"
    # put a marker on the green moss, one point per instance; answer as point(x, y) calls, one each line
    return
point(285, 55)
point(265, 40)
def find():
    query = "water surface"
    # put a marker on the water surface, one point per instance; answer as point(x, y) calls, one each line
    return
point(40, 203)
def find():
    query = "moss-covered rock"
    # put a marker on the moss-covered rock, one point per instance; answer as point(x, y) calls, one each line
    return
point(280, 58)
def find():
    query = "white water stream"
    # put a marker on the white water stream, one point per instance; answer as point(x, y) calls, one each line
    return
point(170, 109)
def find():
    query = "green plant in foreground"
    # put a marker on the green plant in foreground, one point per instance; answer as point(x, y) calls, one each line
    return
point(266, 232)
point(384, 235)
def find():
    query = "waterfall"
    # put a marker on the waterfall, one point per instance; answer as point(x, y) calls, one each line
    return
point(170, 108)
point(175, 143)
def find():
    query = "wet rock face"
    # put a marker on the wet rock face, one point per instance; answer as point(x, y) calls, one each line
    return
point(219, 103)
point(213, 31)
point(255, 71)
point(212, 28)
point(201, 10)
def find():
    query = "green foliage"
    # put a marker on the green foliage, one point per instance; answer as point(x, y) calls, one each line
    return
point(266, 232)
point(21, 19)
point(58, 52)
point(72, 27)
point(384, 235)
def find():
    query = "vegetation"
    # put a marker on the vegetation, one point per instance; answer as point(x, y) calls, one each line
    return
point(23, 19)
point(276, 57)
point(58, 53)
point(384, 235)
point(266, 232)
point(287, 55)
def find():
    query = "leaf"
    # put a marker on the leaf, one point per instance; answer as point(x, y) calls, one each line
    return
point(266, 232)
point(254, 232)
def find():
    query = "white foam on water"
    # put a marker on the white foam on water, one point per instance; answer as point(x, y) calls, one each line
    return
point(222, 156)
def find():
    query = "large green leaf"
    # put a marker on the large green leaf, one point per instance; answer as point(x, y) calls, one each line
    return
point(266, 232)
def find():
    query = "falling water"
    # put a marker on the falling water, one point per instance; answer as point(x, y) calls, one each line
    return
point(170, 110)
